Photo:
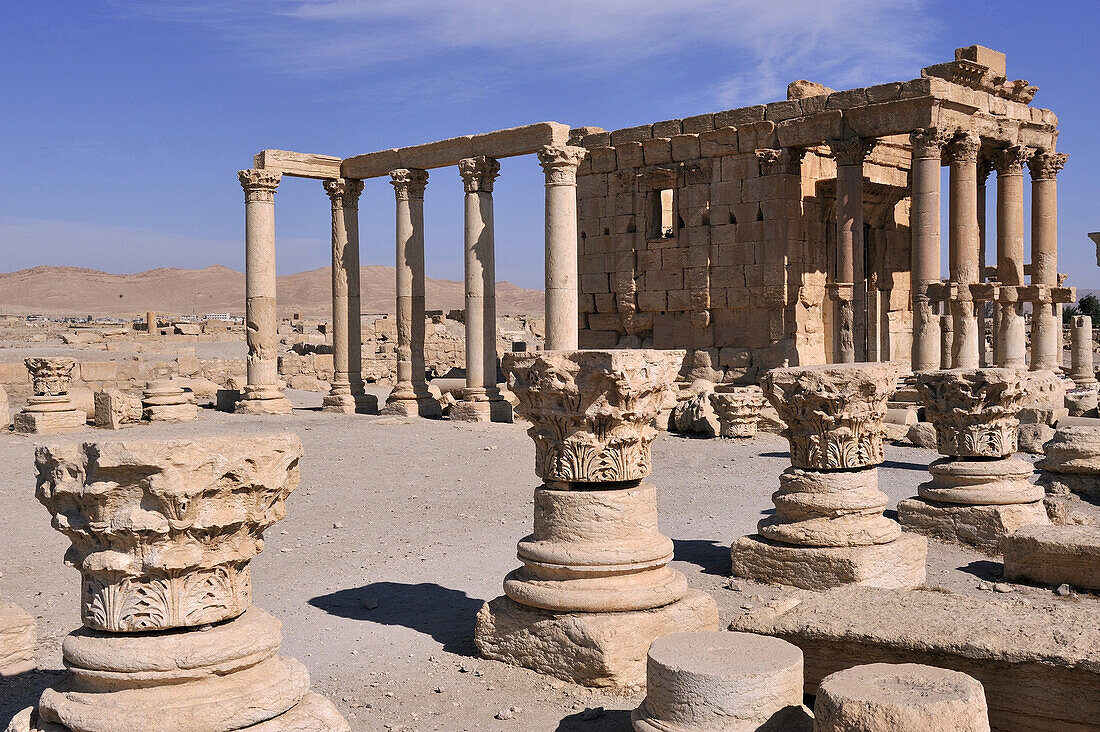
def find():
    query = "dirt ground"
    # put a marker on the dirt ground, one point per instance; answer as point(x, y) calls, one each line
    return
point(401, 529)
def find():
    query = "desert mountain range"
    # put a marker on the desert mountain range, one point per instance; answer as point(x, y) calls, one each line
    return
point(74, 291)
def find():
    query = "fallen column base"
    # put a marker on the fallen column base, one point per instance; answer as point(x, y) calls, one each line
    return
point(983, 527)
point(281, 405)
point(18, 636)
point(338, 404)
point(593, 649)
point(1053, 555)
point(423, 407)
point(496, 410)
point(898, 564)
point(1037, 662)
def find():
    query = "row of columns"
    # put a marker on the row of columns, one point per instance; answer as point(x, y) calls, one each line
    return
point(481, 399)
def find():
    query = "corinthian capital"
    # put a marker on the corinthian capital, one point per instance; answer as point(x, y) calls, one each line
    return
point(560, 162)
point(51, 376)
point(344, 192)
point(1010, 160)
point(478, 173)
point(964, 148)
point(928, 142)
point(259, 185)
point(1046, 165)
point(974, 411)
point(780, 161)
point(851, 152)
point(409, 183)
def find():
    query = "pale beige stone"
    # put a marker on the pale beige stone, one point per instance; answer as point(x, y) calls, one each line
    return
point(693, 413)
point(922, 434)
point(18, 637)
point(560, 163)
point(982, 526)
point(1053, 555)
point(114, 408)
point(904, 697)
point(51, 409)
point(5, 410)
point(738, 409)
point(974, 410)
point(722, 682)
point(166, 401)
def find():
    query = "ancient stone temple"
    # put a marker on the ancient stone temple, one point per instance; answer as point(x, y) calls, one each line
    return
point(828, 529)
point(163, 534)
point(979, 492)
point(595, 587)
point(51, 409)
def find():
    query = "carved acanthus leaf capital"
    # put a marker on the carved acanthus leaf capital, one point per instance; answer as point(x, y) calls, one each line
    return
point(409, 183)
point(1046, 165)
point(929, 142)
point(964, 147)
point(1011, 160)
point(50, 376)
point(259, 184)
point(478, 173)
point(985, 167)
point(852, 152)
point(344, 192)
point(780, 161)
point(560, 162)
point(974, 410)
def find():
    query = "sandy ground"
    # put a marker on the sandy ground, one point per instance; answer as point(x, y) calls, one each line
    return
point(400, 530)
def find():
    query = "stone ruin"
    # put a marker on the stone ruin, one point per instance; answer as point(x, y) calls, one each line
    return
point(595, 587)
point(18, 637)
point(51, 409)
point(163, 534)
point(738, 409)
point(828, 528)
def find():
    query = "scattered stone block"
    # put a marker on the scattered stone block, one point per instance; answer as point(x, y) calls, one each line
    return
point(18, 637)
point(114, 408)
point(5, 410)
point(738, 410)
point(1054, 555)
point(922, 434)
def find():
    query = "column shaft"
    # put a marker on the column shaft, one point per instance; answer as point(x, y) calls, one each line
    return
point(339, 398)
point(850, 155)
point(1046, 331)
point(963, 247)
point(1011, 342)
point(363, 402)
point(984, 167)
point(924, 221)
point(559, 163)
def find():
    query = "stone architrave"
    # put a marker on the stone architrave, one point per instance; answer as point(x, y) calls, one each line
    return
point(114, 408)
point(717, 680)
point(18, 636)
point(166, 401)
point(595, 587)
point(828, 528)
point(162, 533)
point(50, 410)
point(738, 409)
point(904, 697)
point(978, 492)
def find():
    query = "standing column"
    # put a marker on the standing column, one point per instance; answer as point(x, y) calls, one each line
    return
point(924, 220)
point(481, 400)
point(263, 393)
point(410, 395)
point(850, 155)
point(1046, 331)
point(560, 163)
point(364, 403)
point(1011, 342)
point(985, 165)
point(963, 247)
point(340, 398)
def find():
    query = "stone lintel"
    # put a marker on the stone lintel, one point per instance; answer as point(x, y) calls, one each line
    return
point(892, 118)
point(1034, 659)
point(299, 165)
point(524, 140)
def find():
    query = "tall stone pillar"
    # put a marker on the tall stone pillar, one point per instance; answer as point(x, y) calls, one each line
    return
point(1082, 370)
point(963, 247)
point(1046, 330)
point(850, 156)
point(163, 534)
point(560, 163)
point(481, 400)
point(342, 396)
point(947, 338)
point(263, 394)
point(1011, 340)
point(979, 492)
point(410, 395)
point(924, 219)
point(828, 529)
point(985, 166)
point(595, 588)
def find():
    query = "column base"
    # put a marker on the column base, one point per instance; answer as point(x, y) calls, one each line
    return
point(185, 412)
point(279, 405)
point(338, 403)
point(18, 635)
point(496, 410)
point(50, 423)
point(899, 564)
point(982, 527)
point(426, 407)
point(592, 649)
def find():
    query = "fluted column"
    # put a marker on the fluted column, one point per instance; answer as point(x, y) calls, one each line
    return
point(263, 392)
point(850, 156)
point(1011, 341)
point(364, 403)
point(924, 220)
point(1046, 331)
point(481, 396)
point(341, 192)
point(985, 166)
point(410, 395)
point(560, 163)
point(963, 248)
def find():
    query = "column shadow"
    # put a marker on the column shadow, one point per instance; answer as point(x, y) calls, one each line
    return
point(898, 465)
point(612, 720)
point(446, 615)
point(985, 569)
point(714, 558)
point(23, 690)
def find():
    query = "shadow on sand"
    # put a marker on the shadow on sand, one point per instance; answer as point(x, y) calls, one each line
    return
point(612, 720)
point(713, 557)
point(23, 690)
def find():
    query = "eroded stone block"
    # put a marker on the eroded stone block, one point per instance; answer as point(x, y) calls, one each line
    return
point(1053, 555)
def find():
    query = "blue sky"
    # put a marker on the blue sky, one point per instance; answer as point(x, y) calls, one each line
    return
point(125, 122)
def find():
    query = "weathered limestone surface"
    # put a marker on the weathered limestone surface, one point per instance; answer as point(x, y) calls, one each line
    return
point(595, 587)
point(1071, 463)
point(51, 409)
point(694, 413)
point(738, 409)
point(1033, 660)
point(114, 408)
point(905, 697)
point(165, 401)
point(163, 533)
point(1053, 555)
point(5, 409)
point(722, 682)
point(18, 637)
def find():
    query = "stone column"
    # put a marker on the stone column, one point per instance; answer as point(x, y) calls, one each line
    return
point(151, 323)
point(1011, 340)
point(947, 338)
point(850, 156)
point(924, 217)
point(1082, 370)
point(595, 588)
point(164, 400)
point(828, 529)
point(1046, 329)
point(163, 533)
point(985, 166)
point(410, 395)
point(738, 409)
point(263, 394)
point(51, 409)
point(963, 247)
point(560, 163)
point(481, 400)
point(978, 493)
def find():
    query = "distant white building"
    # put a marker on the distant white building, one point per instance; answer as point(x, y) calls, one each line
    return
point(219, 316)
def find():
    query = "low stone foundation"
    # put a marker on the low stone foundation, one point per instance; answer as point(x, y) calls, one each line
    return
point(1053, 555)
point(982, 527)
